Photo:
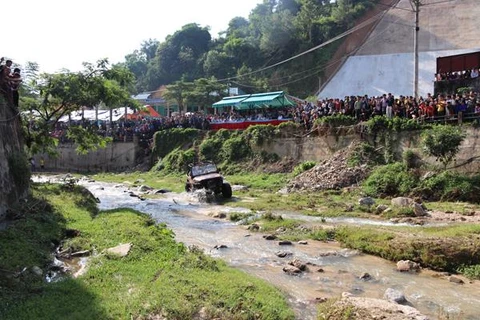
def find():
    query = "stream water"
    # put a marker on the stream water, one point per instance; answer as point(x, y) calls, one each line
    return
point(193, 224)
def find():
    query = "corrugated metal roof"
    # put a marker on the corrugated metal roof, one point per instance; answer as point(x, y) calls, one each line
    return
point(142, 96)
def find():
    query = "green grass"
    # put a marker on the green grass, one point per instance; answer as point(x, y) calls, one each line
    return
point(471, 272)
point(265, 182)
point(460, 207)
point(156, 180)
point(158, 276)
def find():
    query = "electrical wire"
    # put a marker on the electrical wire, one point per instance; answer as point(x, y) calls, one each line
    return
point(344, 34)
point(322, 67)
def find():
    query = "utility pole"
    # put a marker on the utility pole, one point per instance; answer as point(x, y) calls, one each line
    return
point(416, 8)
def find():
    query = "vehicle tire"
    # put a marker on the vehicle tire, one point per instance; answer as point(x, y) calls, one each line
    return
point(188, 187)
point(226, 190)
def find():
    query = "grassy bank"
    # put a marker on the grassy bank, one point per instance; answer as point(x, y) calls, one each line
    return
point(157, 277)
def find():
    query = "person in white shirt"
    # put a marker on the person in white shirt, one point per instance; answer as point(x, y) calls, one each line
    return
point(474, 73)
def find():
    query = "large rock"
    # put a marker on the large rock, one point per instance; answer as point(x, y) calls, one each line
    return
point(394, 295)
point(366, 201)
point(121, 250)
point(368, 308)
point(407, 265)
point(418, 210)
point(402, 202)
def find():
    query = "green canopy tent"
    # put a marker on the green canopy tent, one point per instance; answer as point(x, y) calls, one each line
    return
point(230, 101)
point(265, 100)
point(255, 101)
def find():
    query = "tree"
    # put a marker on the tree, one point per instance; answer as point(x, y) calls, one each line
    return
point(179, 91)
point(443, 143)
point(181, 54)
point(205, 92)
point(57, 95)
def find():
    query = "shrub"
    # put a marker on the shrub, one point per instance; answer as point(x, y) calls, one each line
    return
point(336, 120)
point(365, 153)
point(302, 167)
point(258, 134)
point(442, 142)
point(236, 149)
point(165, 141)
point(471, 272)
point(178, 160)
point(209, 149)
point(382, 124)
point(390, 180)
point(410, 159)
point(450, 186)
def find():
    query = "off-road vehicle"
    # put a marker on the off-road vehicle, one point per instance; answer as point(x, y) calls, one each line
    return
point(207, 176)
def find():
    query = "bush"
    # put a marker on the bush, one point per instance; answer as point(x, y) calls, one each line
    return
point(178, 160)
point(471, 272)
point(258, 134)
point(390, 180)
point(450, 186)
point(336, 120)
point(165, 141)
point(382, 124)
point(365, 153)
point(443, 143)
point(236, 149)
point(302, 167)
point(210, 147)
point(410, 159)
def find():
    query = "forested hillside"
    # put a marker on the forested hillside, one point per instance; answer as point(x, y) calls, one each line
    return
point(243, 55)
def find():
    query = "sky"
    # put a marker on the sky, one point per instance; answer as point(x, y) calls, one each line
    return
point(61, 34)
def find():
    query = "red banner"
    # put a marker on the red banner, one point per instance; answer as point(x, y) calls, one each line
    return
point(241, 125)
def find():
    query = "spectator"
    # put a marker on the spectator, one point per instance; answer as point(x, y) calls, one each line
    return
point(15, 80)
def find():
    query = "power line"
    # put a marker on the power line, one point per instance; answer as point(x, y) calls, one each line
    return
point(322, 67)
point(358, 27)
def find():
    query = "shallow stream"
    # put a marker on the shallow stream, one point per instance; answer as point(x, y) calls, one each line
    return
point(193, 224)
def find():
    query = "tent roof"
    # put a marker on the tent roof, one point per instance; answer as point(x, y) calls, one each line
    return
point(257, 100)
point(103, 115)
point(230, 101)
point(142, 96)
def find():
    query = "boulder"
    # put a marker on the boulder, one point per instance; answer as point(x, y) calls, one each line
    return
point(402, 202)
point(298, 264)
point(366, 201)
point(380, 208)
point(418, 210)
point(121, 250)
point(394, 295)
point(291, 270)
point(407, 265)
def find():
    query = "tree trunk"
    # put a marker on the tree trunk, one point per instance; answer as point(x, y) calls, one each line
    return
point(14, 166)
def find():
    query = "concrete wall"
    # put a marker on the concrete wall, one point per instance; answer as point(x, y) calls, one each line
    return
point(117, 156)
point(384, 62)
point(319, 148)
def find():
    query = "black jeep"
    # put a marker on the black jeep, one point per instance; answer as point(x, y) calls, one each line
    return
point(206, 176)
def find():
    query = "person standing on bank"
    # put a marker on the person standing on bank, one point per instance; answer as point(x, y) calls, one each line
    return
point(32, 164)
point(15, 80)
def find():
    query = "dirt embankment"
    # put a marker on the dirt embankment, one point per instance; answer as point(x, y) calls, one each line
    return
point(333, 173)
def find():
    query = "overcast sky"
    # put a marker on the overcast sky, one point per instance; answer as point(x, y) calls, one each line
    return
point(64, 33)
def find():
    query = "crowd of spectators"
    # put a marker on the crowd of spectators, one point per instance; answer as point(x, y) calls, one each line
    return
point(466, 74)
point(9, 81)
point(430, 108)
point(362, 108)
